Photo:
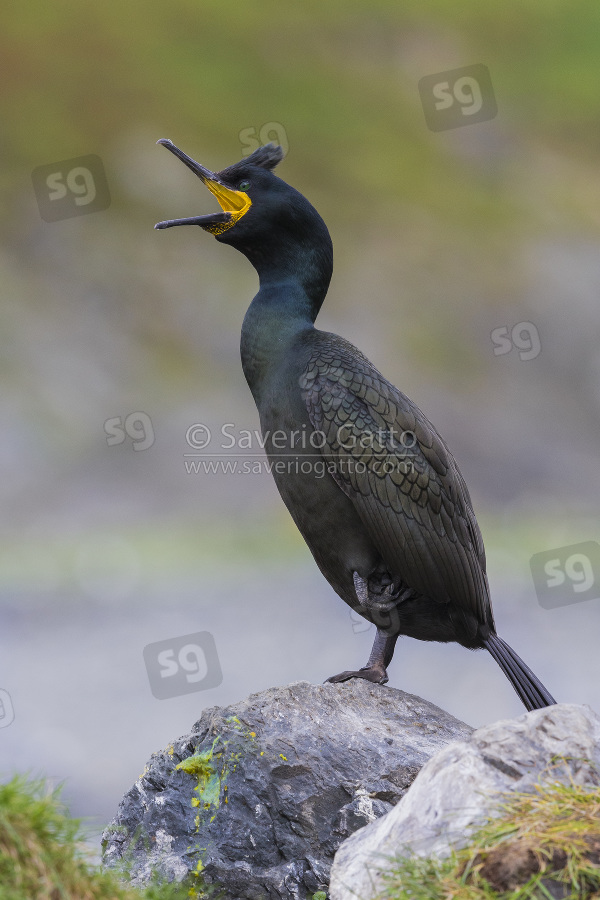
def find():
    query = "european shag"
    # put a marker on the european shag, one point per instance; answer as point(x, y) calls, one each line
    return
point(371, 485)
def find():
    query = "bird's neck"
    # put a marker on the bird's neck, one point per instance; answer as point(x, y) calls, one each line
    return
point(280, 310)
point(293, 285)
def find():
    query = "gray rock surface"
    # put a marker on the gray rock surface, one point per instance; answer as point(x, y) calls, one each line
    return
point(274, 785)
point(458, 789)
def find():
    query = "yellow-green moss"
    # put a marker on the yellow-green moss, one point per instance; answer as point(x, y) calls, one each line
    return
point(211, 768)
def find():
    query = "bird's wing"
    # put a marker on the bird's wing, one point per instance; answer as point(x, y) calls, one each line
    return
point(400, 476)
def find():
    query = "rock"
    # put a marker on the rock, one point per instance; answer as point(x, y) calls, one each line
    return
point(458, 789)
point(259, 796)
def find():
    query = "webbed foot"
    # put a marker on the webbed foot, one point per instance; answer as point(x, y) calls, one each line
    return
point(375, 674)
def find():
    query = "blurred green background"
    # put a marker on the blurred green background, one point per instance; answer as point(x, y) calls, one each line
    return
point(440, 238)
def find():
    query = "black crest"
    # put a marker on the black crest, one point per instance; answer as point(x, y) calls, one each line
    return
point(266, 157)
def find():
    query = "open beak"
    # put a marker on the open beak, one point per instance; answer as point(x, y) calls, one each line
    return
point(233, 203)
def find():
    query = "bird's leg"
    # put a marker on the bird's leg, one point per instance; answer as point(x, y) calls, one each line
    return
point(376, 667)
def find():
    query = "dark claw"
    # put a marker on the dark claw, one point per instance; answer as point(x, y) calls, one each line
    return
point(369, 673)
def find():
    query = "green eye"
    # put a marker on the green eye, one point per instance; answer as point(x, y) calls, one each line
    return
point(244, 185)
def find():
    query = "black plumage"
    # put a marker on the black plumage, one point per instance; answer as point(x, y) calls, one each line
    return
point(375, 492)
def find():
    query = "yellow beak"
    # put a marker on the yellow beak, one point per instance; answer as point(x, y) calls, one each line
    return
point(234, 204)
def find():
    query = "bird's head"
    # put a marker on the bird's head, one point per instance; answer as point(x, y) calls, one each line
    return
point(258, 209)
point(250, 195)
point(266, 219)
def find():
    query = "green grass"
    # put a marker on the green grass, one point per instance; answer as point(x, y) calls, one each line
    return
point(42, 856)
point(540, 839)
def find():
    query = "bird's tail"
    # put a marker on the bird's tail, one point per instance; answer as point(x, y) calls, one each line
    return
point(530, 690)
